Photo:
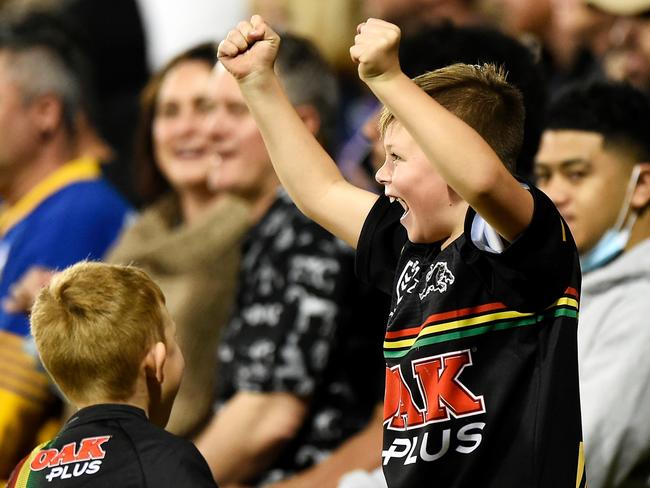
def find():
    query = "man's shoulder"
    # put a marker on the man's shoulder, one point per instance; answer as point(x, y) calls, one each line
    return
point(87, 196)
point(88, 205)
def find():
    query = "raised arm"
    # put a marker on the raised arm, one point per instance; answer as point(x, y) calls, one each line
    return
point(304, 168)
point(461, 156)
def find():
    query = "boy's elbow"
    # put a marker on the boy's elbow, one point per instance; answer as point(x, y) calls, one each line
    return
point(482, 186)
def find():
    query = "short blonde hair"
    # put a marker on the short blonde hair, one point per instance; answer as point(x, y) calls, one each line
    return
point(481, 97)
point(93, 325)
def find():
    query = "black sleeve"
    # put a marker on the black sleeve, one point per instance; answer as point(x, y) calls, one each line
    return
point(535, 268)
point(380, 245)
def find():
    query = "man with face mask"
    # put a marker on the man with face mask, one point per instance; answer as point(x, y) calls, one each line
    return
point(594, 163)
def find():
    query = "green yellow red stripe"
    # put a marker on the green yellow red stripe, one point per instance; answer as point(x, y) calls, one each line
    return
point(472, 321)
point(20, 478)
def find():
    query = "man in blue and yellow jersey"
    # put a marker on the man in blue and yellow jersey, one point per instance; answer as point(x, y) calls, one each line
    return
point(54, 207)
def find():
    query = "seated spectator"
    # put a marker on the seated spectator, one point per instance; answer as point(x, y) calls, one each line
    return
point(594, 164)
point(189, 238)
point(55, 210)
point(299, 367)
point(108, 342)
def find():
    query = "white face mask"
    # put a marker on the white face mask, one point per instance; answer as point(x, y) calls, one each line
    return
point(613, 242)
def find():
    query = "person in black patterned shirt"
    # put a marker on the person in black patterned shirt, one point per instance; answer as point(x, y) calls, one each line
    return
point(287, 394)
point(480, 348)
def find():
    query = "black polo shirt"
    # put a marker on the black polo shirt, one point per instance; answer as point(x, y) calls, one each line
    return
point(113, 445)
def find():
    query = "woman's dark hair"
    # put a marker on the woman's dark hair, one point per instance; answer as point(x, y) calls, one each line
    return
point(151, 184)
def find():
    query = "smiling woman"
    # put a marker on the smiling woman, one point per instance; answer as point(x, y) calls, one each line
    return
point(181, 145)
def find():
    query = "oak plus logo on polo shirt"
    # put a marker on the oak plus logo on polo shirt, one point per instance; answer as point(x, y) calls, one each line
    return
point(72, 460)
point(440, 397)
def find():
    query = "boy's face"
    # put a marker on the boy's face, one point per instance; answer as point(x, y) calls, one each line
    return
point(586, 182)
point(408, 176)
point(172, 373)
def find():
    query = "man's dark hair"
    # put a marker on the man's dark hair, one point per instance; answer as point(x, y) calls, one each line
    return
point(618, 111)
point(45, 58)
point(438, 46)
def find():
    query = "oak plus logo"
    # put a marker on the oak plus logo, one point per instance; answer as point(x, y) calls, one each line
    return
point(441, 396)
point(71, 460)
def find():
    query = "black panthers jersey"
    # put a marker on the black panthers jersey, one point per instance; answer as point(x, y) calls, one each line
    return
point(481, 355)
point(113, 446)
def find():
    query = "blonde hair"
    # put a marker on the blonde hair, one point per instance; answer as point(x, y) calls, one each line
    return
point(93, 325)
point(481, 97)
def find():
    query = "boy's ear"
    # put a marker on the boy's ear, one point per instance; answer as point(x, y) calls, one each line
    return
point(641, 195)
point(155, 361)
point(310, 117)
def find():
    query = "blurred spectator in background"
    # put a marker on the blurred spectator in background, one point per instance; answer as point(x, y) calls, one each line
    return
point(125, 40)
point(188, 238)
point(411, 15)
point(298, 368)
point(110, 32)
point(545, 25)
point(594, 163)
point(628, 49)
point(56, 209)
point(586, 27)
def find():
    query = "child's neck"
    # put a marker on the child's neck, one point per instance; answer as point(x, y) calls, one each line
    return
point(460, 211)
point(103, 401)
point(140, 397)
point(455, 235)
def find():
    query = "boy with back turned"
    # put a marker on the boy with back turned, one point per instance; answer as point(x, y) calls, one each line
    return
point(480, 347)
point(106, 338)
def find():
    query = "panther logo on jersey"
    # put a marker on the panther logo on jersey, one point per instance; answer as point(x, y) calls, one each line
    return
point(443, 278)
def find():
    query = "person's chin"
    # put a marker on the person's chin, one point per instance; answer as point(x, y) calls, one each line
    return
point(413, 236)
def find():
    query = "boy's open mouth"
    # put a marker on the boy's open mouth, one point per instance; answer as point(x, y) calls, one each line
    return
point(403, 204)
